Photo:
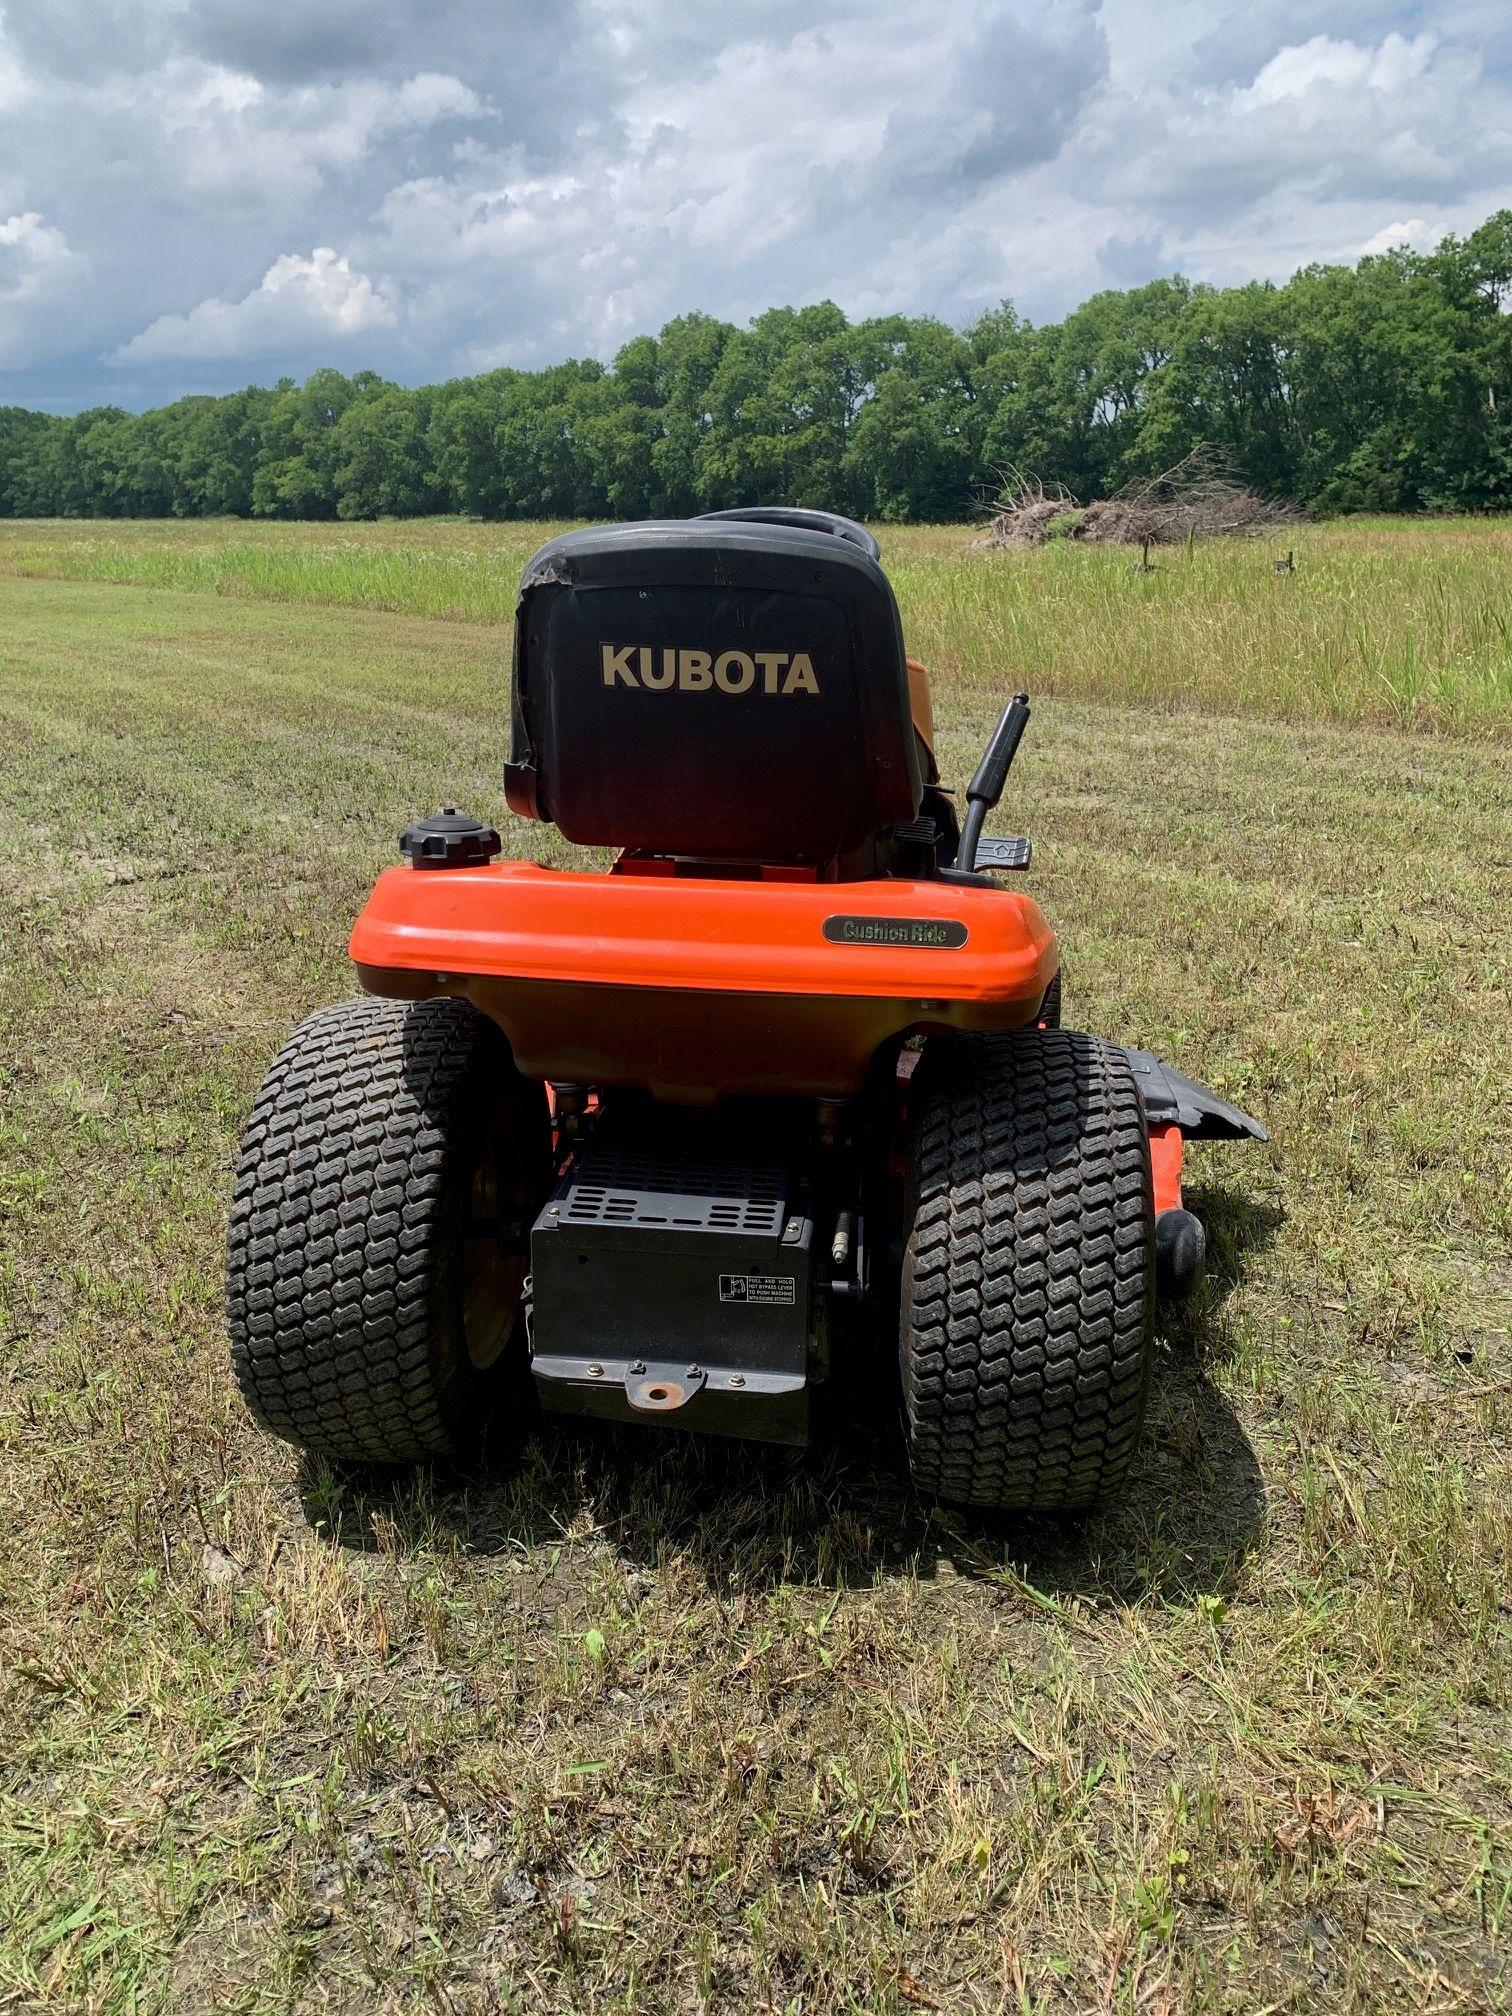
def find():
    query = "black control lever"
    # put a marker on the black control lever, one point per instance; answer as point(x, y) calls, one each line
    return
point(986, 787)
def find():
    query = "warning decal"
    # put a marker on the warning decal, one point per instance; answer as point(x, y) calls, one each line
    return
point(765, 1288)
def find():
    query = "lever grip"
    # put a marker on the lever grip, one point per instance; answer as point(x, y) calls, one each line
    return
point(986, 787)
point(992, 771)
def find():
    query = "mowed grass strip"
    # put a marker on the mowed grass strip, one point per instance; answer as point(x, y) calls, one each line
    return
point(1401, 621)
point(636, 1723)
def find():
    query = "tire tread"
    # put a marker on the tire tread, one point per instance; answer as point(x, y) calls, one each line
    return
point(1028, 1293)
point(342, 1298)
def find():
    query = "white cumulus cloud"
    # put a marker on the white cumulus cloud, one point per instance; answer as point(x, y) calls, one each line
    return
point(296, 300)
point(1414, 231)
point(536, 183)
point(39, 270)
point(1326, 64)
point(32, 255)
point(1324, 122)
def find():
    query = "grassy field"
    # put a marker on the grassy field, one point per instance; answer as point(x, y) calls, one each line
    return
point(1382, 620)
point(638, 1724)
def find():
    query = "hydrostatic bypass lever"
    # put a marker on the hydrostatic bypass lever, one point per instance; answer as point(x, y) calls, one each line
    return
point(986, 787)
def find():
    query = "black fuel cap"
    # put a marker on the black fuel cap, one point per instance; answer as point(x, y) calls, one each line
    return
point(450, 839)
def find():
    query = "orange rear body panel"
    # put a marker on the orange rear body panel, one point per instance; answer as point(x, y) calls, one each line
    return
point(694, 987)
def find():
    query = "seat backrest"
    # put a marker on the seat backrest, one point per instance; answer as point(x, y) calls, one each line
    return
point(726, 689)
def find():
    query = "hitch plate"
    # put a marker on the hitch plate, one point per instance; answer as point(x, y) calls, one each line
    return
point(662, 1389)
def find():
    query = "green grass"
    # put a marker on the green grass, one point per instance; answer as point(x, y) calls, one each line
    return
point(638, 1724)
point(1390, 621)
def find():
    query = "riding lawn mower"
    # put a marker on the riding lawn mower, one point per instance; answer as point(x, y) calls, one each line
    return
point(650, 1130)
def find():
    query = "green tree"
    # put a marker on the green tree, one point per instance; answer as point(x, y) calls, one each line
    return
point(1226, 382)
point(383, 468)
point(688, 354)
point(462, 448)
point(300, 452)
point(1382, 386)
point(25, 448)
point(913, 449)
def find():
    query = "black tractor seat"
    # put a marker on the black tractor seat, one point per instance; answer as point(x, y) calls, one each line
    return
point(730, 688)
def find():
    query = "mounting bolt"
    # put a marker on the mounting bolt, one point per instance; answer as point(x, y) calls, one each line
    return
point(639, 1365)
point(554, 1211)
point(595, 1371)
point(695, 1372)
point(737, 1378)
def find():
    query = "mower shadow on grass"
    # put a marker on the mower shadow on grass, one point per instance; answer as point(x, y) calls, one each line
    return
point(1239, 1226)
point(747, 1517)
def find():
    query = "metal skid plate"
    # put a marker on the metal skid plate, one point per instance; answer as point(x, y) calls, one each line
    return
point(671, 1281)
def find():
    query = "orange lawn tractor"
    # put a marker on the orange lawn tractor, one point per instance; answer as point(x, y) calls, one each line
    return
point(647, 1130)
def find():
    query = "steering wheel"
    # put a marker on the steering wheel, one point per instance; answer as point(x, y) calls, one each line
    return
point(805, 521)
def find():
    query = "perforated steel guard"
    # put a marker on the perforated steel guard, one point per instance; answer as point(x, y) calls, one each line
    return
point(676, 1185)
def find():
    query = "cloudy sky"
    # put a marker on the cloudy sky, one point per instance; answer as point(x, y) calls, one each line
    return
point(199, 193)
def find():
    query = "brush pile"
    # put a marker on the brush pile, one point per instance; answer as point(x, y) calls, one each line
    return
point(1198, 498)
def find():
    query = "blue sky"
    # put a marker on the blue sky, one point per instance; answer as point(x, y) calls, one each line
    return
point(195, 194)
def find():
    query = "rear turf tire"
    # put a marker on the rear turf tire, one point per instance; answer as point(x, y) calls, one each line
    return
point(370, 1306)
point(1029, 1272)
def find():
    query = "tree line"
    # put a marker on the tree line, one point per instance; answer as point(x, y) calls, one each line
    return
point(1386, 386)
